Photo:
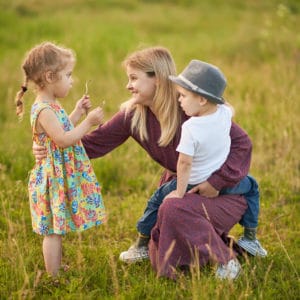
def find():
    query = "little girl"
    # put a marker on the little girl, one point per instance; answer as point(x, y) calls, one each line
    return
point(63, 189)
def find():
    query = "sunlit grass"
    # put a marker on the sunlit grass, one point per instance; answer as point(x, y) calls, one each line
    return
point(255, 43)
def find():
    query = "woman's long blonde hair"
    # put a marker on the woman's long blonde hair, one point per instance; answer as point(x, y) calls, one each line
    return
point(158, 62)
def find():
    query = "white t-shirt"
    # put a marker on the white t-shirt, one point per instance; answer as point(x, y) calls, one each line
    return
point(207, 140)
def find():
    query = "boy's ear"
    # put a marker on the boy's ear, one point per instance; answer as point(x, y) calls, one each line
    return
point(49, 76)
point(202, 100)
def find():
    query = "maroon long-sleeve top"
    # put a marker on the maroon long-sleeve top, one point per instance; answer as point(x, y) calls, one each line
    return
point(195, 223)
point(118, 129)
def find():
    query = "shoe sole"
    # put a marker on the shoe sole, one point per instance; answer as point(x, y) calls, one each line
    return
point(240, 271)
point(250, 250)
point(133, 260)
point(238, 274)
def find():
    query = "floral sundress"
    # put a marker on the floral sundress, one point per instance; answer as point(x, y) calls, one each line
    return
point(64, 192)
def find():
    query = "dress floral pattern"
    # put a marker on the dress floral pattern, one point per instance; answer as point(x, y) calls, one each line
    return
point(64, 192)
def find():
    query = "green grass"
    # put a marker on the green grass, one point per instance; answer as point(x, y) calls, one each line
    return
point(256, 44)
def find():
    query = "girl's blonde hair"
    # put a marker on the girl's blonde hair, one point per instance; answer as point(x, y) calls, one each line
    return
point(38, 61)
point(158, 62)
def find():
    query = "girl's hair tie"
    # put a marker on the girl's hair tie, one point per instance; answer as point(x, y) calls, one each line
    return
point(24, 88)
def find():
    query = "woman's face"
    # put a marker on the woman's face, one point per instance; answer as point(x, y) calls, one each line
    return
point(141, 86)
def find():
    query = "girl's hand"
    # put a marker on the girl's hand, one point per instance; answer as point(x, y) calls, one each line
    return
point(95, 116)
point(205, 189)
point(83, 104)
point(39, 152)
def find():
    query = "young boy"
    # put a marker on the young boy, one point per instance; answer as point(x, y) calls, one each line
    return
point(203, 148)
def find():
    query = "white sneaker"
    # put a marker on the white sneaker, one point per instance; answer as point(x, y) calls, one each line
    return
point(253, 247)
point(134, 254)
point(229, 271)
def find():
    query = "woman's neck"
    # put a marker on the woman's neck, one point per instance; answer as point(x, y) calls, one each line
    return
point(152, 109)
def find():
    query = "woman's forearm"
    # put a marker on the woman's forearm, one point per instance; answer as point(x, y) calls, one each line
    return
point(107, 136)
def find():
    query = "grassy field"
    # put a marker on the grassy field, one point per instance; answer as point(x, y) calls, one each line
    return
point(256, 44)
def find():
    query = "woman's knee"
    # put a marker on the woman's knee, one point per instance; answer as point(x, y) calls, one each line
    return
point(169, 207)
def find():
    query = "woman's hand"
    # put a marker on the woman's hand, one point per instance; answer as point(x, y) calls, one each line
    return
point(173, 194)
point(205, 189)
point(95, 117)
point(39, 152)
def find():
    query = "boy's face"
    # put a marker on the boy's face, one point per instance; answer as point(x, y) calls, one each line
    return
point(189, 101)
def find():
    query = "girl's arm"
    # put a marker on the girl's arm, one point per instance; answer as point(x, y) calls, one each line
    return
point(50, 124)
point(101, 140)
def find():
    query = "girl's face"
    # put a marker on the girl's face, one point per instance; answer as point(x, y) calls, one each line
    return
point(141, 86)
point(64, 83)
point(189, 101)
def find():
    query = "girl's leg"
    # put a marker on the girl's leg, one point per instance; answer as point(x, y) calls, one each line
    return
point(52, 251)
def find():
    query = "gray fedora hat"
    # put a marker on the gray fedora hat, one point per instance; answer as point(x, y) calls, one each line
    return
point(204, 79)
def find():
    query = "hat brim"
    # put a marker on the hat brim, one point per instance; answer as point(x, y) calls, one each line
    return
point(202, 93)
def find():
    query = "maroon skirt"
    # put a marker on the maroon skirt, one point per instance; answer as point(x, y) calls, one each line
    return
point(194, 227)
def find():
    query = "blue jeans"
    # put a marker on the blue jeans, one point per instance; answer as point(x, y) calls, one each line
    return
point(148, 220)
point(247, 187)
